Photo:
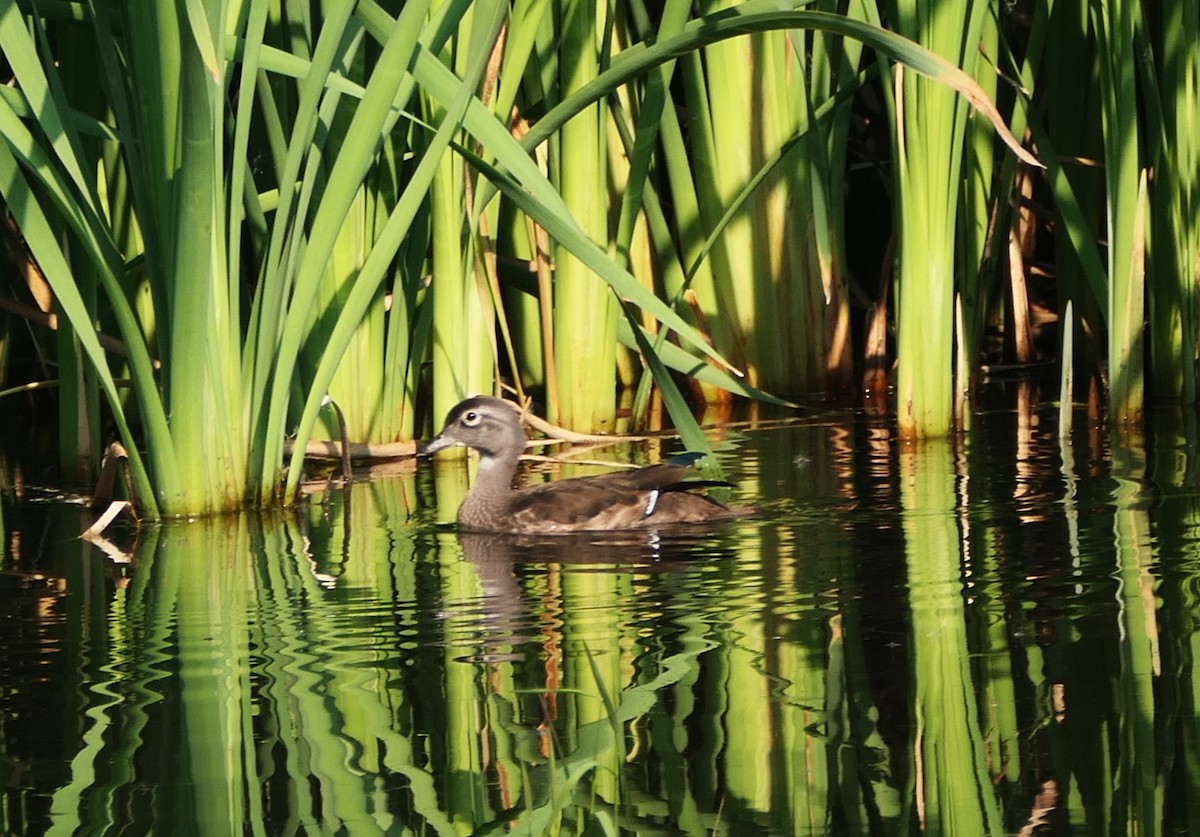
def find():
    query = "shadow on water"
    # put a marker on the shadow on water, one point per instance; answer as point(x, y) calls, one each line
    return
point(990, 636)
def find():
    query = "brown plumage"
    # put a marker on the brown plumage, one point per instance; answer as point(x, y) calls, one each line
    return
point(649, 497)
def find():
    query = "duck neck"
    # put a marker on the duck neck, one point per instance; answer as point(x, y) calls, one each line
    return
point(487, 503)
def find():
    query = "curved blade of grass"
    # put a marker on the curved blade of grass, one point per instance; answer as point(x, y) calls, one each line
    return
point(764, 15)
point(773, 162)
point(559, 224)
point(681, 415)
point(240, 176)
point(27, 68)
point(363, 139)
point(442, 84)
point(81, 216)
point(43, 243)
point(380, 258)
point(528, 188)
point(559, 227)
point(261, 346)
point(1071, 213)
point(687, 363)
point(84, 124)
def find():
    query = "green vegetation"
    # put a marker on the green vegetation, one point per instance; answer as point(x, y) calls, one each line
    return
point(236, 212)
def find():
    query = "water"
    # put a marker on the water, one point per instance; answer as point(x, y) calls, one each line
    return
point(974, 638)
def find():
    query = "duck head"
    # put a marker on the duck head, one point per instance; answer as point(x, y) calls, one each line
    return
point(490, 425)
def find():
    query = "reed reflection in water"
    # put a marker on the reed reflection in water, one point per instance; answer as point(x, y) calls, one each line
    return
point(989, 637)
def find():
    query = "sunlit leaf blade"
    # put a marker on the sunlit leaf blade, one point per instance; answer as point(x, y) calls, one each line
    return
point(765, 15)
point(44, 245)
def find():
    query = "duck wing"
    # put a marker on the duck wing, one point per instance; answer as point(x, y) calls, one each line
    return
point(626, 500)
point(588, 503)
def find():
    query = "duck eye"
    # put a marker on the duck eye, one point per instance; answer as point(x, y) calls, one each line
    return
point(470, 419)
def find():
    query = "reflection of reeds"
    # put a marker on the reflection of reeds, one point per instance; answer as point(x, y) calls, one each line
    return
point(346, 671)
point(953, 788)
point(1177, 557)
point(1140, 780)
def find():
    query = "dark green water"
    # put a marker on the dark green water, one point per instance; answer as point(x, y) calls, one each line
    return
point(984, 637)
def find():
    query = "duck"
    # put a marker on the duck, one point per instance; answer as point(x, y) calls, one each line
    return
point(646, 498)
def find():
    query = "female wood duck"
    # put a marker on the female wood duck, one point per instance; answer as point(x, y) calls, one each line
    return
point(649, 497)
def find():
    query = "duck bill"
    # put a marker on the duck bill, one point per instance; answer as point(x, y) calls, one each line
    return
point(438, 443)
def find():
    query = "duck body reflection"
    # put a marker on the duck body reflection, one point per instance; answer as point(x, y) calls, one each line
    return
point(505, 613)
